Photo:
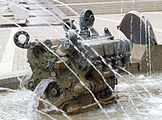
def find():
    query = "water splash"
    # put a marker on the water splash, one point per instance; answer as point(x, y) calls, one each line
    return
point(38, 92)
point(14, 105)
point(41, 87)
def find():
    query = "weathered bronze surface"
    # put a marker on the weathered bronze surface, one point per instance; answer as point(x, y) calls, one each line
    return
point(65, 91)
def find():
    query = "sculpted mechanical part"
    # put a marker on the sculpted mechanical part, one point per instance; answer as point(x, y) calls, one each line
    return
point(65, 91)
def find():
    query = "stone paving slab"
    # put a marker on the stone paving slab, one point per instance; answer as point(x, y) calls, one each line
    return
point(109, 6)
point(37, 14)
point(3, 40)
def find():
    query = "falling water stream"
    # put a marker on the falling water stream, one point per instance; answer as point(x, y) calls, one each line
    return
point(18, 101)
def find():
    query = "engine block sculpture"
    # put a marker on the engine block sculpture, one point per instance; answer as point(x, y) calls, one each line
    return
point(77, 50)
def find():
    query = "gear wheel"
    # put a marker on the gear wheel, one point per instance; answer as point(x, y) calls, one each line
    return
point(53, 91)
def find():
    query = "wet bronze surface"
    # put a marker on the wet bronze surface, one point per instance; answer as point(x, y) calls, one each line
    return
point(66, 92)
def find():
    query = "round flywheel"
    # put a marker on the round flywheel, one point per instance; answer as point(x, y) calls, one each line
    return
point(53, 92)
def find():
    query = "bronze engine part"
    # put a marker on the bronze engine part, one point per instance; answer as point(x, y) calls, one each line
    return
point(65, 92)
